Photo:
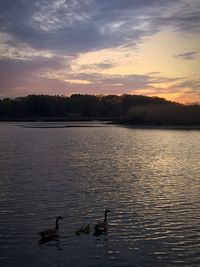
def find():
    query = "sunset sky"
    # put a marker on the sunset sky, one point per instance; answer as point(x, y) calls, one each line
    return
point(145, 47)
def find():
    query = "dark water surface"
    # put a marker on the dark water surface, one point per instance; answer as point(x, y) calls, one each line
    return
point(150, 179)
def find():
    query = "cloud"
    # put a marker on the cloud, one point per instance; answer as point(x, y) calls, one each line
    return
point(188, 55)
point(192, 84)
point(185, 91)
point(98, 66)
point(15, 73)
point(182, 16)
point(39, 40)
point(34, 64)
point(79, 26)
point(115, 84)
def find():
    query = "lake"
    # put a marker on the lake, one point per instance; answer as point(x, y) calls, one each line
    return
point(148, 178)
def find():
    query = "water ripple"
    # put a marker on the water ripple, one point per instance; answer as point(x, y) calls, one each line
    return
point(149, 179)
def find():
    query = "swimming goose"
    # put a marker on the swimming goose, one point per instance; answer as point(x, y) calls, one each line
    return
point(85, 230)
point(102, 226)
point(51, 233)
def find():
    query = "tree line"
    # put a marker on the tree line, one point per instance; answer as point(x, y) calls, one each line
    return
point(131, 109)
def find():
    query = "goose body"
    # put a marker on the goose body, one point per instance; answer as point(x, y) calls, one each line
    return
point(85, 230)
point(102, 226)
point(51, 233)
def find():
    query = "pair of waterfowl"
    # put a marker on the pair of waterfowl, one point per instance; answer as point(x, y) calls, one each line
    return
point(99, 228)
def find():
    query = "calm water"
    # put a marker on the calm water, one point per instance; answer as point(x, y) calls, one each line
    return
point(150, 179)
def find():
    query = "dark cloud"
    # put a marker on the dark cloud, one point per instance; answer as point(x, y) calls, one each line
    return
point(188, 55)
point(78, 26)
point(33, 64)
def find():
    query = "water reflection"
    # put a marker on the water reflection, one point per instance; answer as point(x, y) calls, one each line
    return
point(149, 178)
point(55, 241)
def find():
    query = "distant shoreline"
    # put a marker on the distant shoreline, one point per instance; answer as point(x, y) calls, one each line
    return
point(110, 120)
point(162, 127)
point(57, 119)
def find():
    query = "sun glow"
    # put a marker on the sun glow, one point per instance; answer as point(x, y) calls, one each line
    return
point(77, 81)
point(155, 56)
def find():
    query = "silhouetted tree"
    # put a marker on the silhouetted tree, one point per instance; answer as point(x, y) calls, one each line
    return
point(126, 108)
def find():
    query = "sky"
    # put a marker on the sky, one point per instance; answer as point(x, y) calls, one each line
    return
point(101, 47)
